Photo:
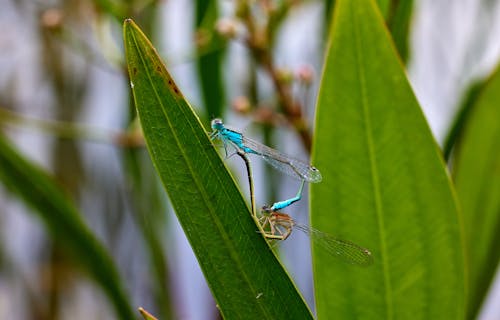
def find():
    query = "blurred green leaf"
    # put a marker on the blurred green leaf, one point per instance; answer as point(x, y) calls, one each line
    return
point(147, 199)
point(463, 114)
point(384, 185)
point(112, 7)
point(63, 222)
point(210, 53)
point(398, 21)
point(245, 277)
point(383, 6)
point(329, 7)
point(477, 179)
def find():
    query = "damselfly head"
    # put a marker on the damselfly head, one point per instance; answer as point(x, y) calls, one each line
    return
point(266, 209)
point(217, 124)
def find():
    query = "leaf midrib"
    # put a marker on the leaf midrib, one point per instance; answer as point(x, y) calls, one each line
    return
point(373, 166)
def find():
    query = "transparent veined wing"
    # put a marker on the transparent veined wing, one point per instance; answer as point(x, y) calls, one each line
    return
point(343, 249)
point(293, 167)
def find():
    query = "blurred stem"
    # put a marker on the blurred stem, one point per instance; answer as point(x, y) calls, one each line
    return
point(79, 46)
point(58, 282)
point(291, 108)
point(259, 44)
point(72, 131)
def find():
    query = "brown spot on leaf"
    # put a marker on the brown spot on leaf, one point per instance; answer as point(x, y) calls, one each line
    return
point(174, 88)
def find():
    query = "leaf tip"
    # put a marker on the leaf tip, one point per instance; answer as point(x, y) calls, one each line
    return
point(127, 24)
point(146, 315)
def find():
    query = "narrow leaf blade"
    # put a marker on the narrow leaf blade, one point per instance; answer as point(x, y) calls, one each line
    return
point(245, 277)
point(63, 222)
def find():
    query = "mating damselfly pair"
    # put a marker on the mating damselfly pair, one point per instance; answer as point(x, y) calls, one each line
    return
point(276, 225)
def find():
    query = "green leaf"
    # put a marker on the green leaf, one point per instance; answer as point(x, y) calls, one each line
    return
point(384, 187)
point(456, 128)
point(245, 277)
point(398, 21)
point(40, 192)
point(147, 198)
point(477, 179)
point(329, 7)
point(383, 6)
point(114, 8)
point(210, 51)
point(398, 18)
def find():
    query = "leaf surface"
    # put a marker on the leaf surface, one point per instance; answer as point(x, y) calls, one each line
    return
point(477, 180)
point(385, 186)
point(245, 277)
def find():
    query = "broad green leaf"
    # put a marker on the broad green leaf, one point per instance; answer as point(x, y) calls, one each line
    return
point(63, 222)
point(384, 184)
point(398, 18)
point(245, 277)
point(477, 179)
point(383, 6)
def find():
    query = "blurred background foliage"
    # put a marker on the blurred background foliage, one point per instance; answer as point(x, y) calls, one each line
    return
point(98, 211)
